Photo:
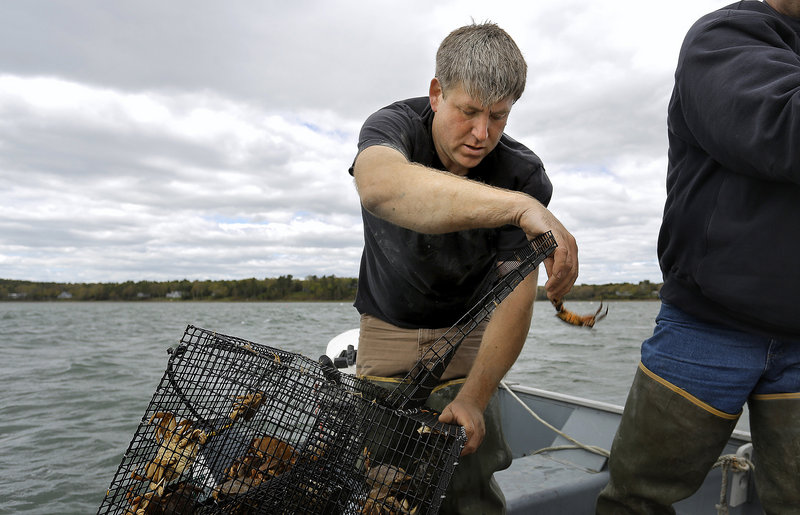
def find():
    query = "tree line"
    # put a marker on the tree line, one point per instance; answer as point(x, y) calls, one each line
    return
point(283, 288)
point(325, 288)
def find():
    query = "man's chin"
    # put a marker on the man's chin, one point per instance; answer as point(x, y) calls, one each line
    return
point(469, 162)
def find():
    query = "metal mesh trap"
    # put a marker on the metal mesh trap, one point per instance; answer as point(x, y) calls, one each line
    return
point(239, 427)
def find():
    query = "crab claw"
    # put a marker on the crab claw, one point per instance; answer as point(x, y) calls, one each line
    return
point(597, 316)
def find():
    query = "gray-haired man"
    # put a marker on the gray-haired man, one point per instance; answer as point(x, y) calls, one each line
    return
point(445, 196)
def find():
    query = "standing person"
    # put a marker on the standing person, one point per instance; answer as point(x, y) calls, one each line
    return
point(445, 196)
point(728, 331)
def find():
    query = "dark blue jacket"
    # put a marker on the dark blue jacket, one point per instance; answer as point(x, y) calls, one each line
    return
point(729, 246)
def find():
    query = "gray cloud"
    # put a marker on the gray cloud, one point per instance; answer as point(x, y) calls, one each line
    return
point(167, 140)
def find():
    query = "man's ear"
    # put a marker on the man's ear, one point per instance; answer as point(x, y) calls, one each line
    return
point(435, 94)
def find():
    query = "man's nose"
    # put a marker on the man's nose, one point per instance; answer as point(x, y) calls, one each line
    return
point(480, 127)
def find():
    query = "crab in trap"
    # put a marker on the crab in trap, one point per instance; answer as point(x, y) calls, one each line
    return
point(391, 489)
point(179, 445)
point(246, 406)
point(267, 457)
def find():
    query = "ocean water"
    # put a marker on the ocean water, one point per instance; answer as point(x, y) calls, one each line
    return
point(76, 378)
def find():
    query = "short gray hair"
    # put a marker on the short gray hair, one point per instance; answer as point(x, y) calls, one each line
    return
point(484, 60)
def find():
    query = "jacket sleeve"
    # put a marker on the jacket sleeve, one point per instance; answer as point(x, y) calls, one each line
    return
point(738, 80)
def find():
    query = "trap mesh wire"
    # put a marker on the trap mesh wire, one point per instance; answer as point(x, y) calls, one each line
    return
point(243, 428)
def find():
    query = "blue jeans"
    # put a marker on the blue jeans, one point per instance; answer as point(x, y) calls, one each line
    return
point(719, 366)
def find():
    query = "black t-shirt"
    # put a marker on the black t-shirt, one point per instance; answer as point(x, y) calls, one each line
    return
point(416, 280)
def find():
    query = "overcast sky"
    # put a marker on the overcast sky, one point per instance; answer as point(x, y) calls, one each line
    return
point(161, 140)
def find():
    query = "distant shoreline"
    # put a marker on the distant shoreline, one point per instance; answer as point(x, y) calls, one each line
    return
point(280, 289)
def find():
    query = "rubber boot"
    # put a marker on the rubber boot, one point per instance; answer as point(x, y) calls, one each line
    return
point(775, 430)
point(666, 443)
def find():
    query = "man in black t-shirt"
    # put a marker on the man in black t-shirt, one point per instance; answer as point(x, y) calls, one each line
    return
point(445, 196)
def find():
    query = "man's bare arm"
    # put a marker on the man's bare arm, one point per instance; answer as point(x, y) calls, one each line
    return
point(433, 202)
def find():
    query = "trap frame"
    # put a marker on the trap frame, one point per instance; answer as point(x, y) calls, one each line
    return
point(240, 427)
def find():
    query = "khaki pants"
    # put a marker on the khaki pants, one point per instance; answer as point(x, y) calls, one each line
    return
point(385, 350)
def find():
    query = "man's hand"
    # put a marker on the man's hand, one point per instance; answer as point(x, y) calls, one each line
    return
point(470, 416)
point(562, 264)
point(561, 267)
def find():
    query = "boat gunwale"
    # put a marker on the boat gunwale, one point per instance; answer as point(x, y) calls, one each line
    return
point(738, 434)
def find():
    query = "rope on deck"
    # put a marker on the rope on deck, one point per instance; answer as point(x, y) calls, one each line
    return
point(577, 445)
point(729, 462)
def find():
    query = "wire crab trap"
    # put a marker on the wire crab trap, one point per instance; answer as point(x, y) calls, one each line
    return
point(239, 427)
point(243, 428)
